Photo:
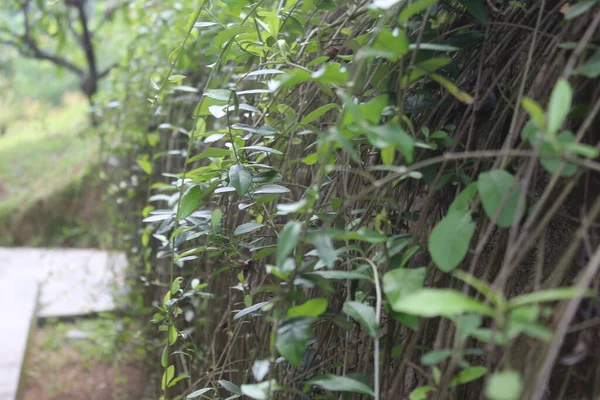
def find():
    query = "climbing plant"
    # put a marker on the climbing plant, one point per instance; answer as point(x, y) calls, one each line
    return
point(354, 196)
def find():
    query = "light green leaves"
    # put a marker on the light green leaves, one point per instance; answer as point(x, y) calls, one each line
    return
point(439, 302)
point(240, 179)
point(341, 384)
point(535, 111)
point(468, 375)
point(559, 106)
point(246, 228)
point(449, 241)
point(505, 385)
point(311, 308)
point(401, 282)
point(292, 336)
point(260, 391)
point(364, 314)
point(288, 240)
point(499, 189)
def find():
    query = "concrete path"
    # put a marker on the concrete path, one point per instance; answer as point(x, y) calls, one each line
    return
point(49, 283)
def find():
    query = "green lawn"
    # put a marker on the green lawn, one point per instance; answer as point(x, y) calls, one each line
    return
point(43, 155)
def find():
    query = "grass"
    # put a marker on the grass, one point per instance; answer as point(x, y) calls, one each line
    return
point(43, 154)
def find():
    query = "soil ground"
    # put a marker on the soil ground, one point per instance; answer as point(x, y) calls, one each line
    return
point(91, 360)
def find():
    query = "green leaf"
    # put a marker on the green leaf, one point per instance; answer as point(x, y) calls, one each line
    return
point(176, 285)
point(393, 42)
point(466, 325)
point(311, 308)
point(364, 314)
point(318, 113)
point(246, 228)
point(168, 376)
point(240, 179)
point(420, 393)
point(413, 9)
point(493, 187)
point(439, 302)
point(198, 393)
point(288, 239)
point(476, 9)
point(230, 387)
point(179, 378)
point(552, 165)
point(437, 356)
point(272, 189)
point(189, 201)
point(462, 202)
point(331, 73)
point(366, 234)
point(505, 385)
point(559, 106)
point(577, 9)
point(250, 310)
point(387, 155)
point(262, 149)
point(452, 88)
point(545, 295)
point(401, 282)
point(450, 238)
point(164, 358)
point(341, 384)
point(325, 249)
point(591, 68)
point(468, 375)
point(292, 336)
point(535, 111)
point(145, 165)
point(172, 335)
point(215, 218)
point(392, 134)
point(212, 152)
point(336, 274)
point(260, 391)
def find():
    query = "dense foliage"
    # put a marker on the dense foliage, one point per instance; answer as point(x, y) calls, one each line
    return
point(377, 198)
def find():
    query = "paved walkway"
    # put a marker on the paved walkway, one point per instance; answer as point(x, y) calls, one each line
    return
point(49, 283)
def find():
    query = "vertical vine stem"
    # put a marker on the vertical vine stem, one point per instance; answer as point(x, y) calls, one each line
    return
point(378, 320)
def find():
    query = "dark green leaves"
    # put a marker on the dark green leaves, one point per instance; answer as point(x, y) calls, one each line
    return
point(240, 179)
point(189, 202)
point(292, 336)
point(449, 241)
point(499, 189)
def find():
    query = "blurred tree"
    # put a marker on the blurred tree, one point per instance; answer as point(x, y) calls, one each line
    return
point(52, 30)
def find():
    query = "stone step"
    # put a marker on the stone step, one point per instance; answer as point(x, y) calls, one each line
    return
point(49, 283)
